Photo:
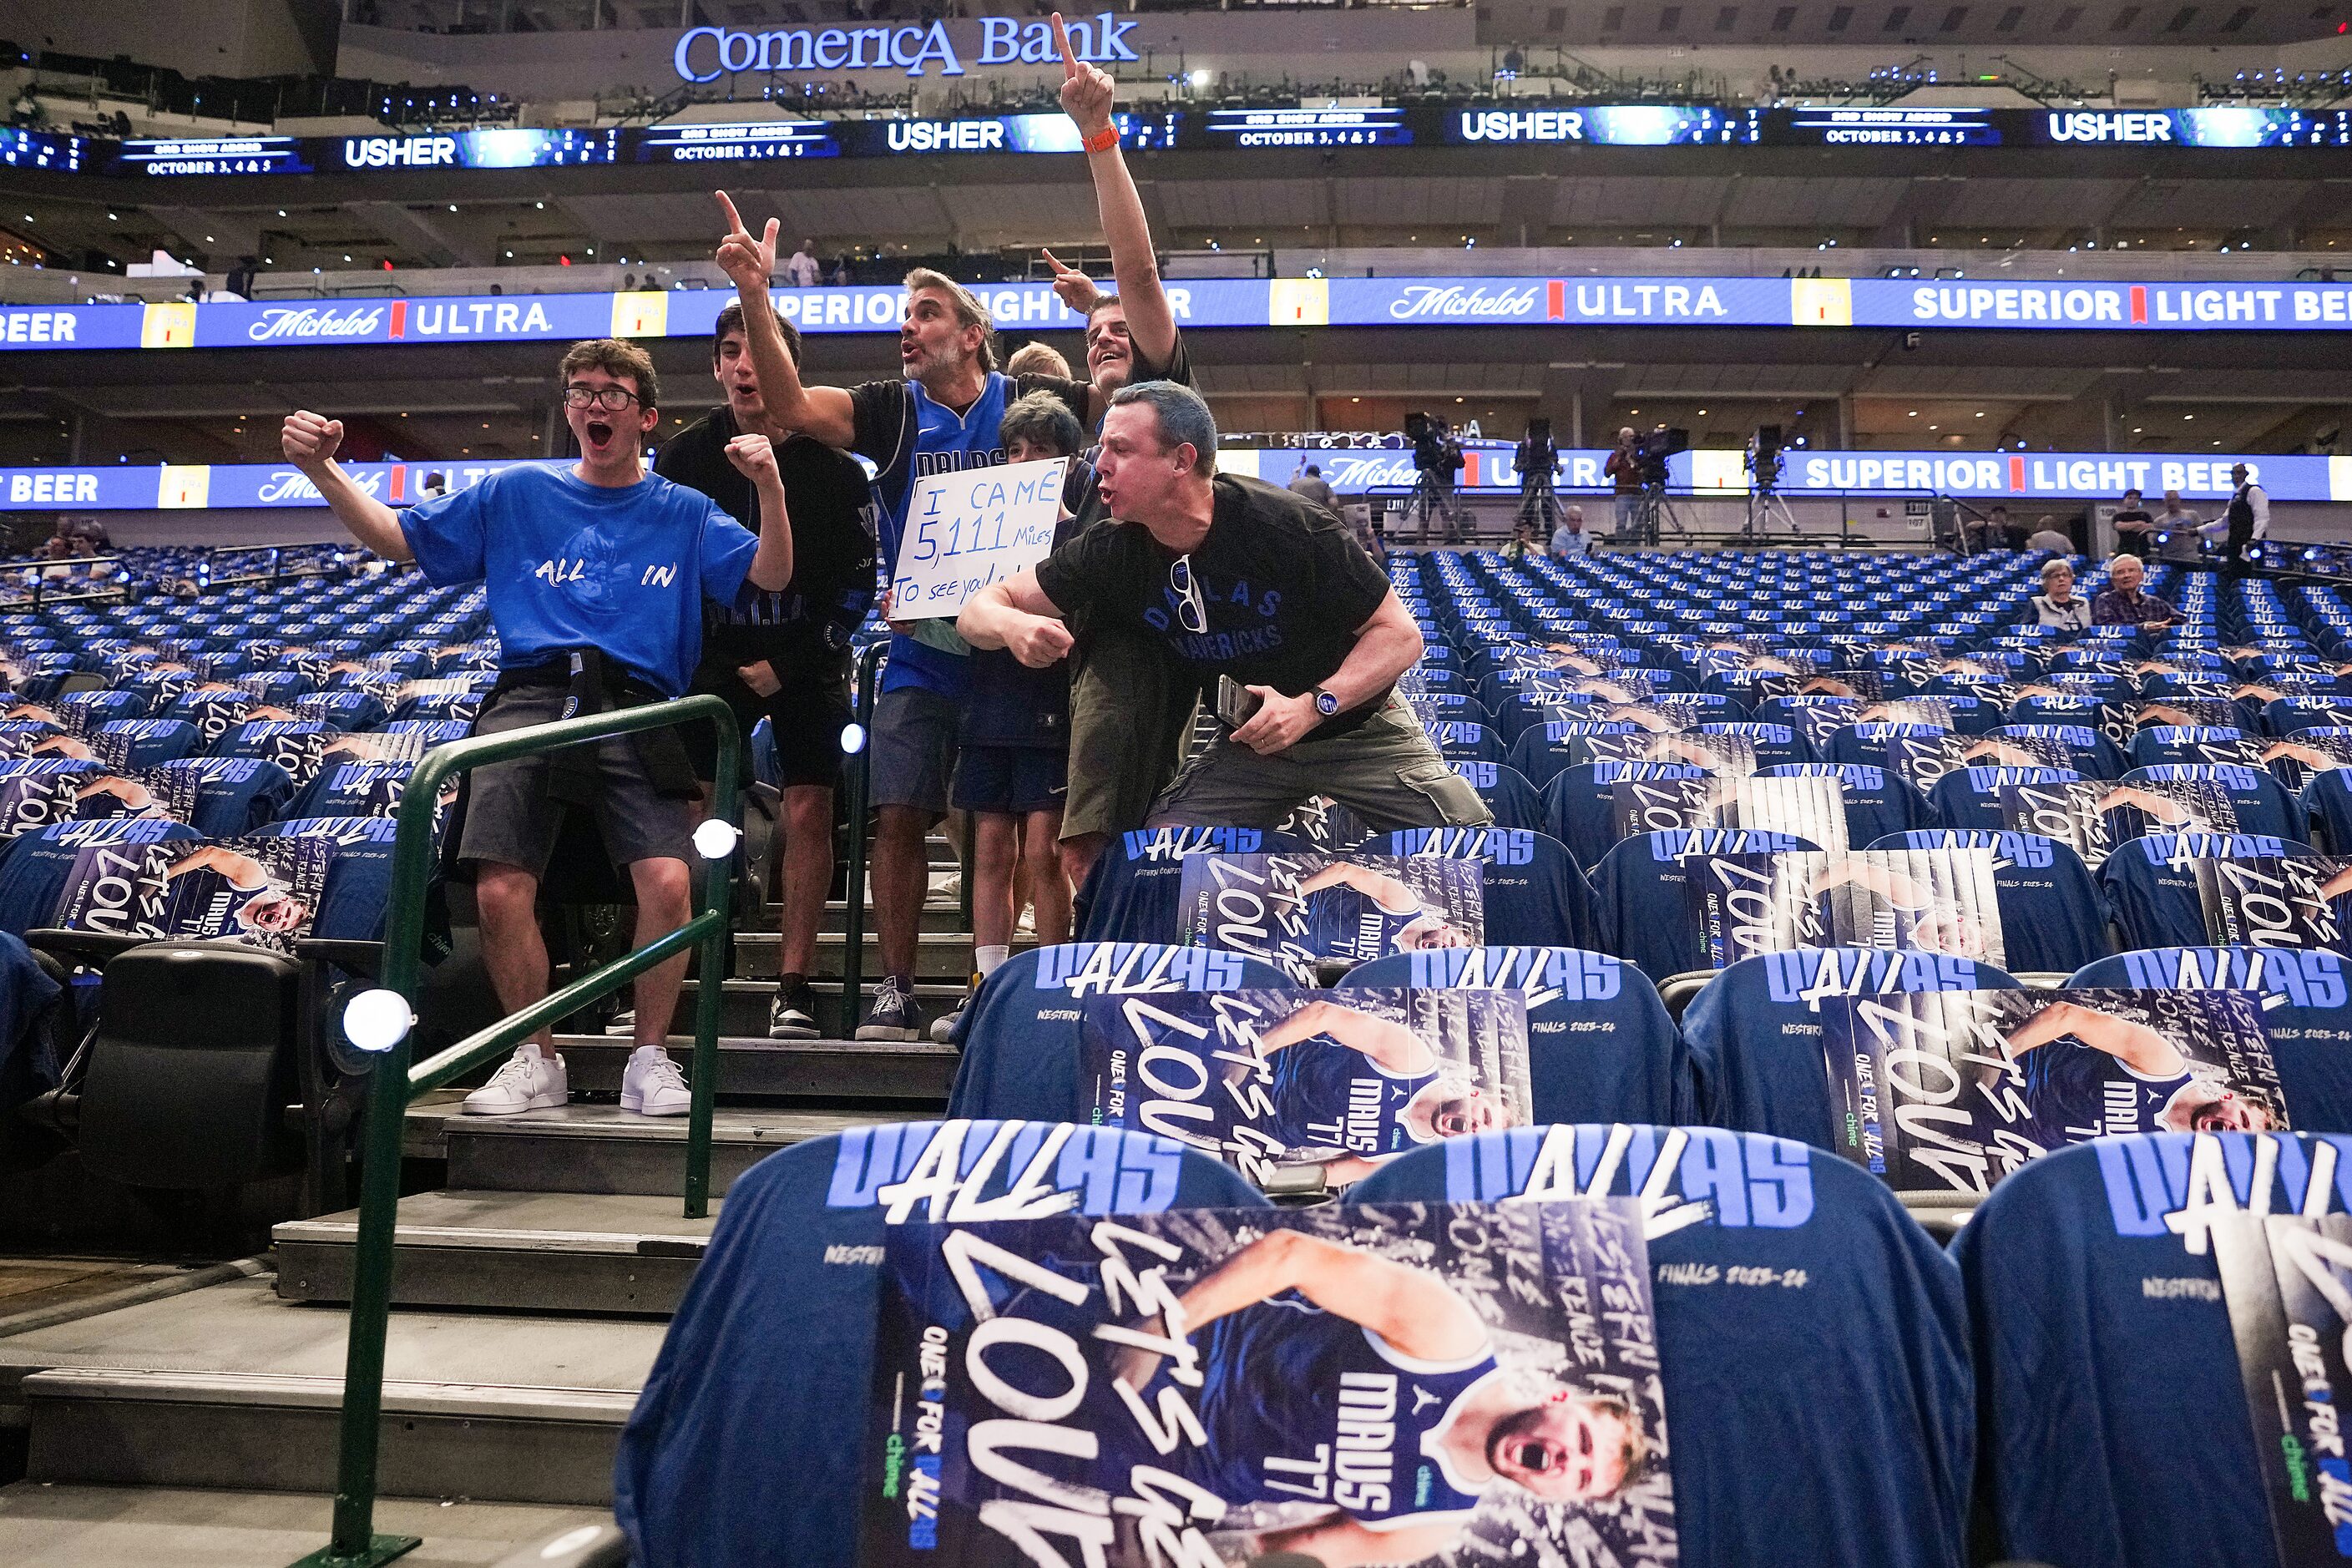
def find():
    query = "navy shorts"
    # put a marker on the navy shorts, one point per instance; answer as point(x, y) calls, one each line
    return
point(1015, 780)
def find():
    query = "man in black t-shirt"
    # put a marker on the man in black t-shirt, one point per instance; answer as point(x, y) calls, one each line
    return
point(2134, 528)
point(784, 657)
point(1241, 580)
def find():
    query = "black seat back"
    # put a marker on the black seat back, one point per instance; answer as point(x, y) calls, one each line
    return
point(195, 1064)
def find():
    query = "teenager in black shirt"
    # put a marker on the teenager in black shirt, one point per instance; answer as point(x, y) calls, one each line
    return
point(786, 657)
point(1239, 579)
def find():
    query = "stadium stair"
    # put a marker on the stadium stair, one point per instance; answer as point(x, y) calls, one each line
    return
point(532, 1282)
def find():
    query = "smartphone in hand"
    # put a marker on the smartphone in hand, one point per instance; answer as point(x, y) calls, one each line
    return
point(1236, 702)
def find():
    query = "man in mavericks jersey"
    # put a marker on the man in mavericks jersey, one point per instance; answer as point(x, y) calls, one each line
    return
point(1364, 1090)
point(2088, 1074)
point(941, 416)
point(1333, 1376)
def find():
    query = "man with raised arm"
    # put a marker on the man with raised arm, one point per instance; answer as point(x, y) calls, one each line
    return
point(595, 573)
point(941, 416)
point(1129, 703)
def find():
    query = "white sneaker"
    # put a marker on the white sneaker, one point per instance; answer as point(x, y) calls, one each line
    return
point(651, 1084)
point(528, 1082)
point(1027, 924)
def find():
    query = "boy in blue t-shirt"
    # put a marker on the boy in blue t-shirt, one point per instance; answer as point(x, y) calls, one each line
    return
point(595, 574)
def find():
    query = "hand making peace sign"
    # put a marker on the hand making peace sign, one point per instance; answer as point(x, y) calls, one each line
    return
point(747, 262)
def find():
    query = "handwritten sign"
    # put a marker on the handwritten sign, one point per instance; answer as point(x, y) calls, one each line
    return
point(971, 528)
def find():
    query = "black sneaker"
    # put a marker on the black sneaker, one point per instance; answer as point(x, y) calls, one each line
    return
point(791, 1015)
point(893, 1017)
point(944, 1027)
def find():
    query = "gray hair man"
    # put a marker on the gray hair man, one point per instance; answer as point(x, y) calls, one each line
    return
point(1258, 594)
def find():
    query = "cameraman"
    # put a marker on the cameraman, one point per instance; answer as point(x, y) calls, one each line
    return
point(1623, 470)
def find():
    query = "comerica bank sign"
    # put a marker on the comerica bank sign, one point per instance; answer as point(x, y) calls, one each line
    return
point(706, 54)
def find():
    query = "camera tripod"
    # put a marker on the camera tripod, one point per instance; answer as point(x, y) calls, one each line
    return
point(1538, 503)
point(1765, 508)
point(1656, 515)
point(1432, 493)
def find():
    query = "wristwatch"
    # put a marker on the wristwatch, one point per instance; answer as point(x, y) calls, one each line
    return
point(1324, 703)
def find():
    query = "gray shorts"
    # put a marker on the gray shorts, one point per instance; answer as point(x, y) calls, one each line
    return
point(1386, 770)
point(510, 818)
point(1129, 707)
point(913, 749)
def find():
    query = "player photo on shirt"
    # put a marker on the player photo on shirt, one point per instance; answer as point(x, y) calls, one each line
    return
point(1811, 808)
point(2286, 1279)
point(2092, 817)
point(1299, 910)
point(1933, 900)
point(1346, 1081)
point(263, 890)
point(1950, 1091)
point(1379, 1384)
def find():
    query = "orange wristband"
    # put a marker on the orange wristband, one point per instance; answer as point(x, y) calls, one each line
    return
point(1101, 141)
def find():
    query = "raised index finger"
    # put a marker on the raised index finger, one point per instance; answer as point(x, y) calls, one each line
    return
point(726, 205)
point(1069, 59)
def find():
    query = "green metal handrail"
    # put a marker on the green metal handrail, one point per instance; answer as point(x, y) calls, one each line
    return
point(396, 1083)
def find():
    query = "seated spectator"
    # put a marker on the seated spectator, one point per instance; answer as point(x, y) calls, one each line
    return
point(2056, 605)
point(1038, 359)
point(2047, 535)
point(1251, 588)
point(1015, 737)
point(2123, 604)
point(1570, 538)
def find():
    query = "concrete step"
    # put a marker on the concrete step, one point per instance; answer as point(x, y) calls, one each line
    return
point(939, 955)
point(232, 1386)
point(516, 1252)
point(44, 1524)
point(744, 1011)
point(603, 1149)
point(909, 1080)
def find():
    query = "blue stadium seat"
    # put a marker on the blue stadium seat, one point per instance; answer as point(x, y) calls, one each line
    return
point(1886, 1468)
point(1508, 795)
point(2112, 1407)
point(2307, 1011)
point(1019, 1037)
point(2324, 811)
point(1640, 895)
point(1754, 1031)
point(1877, 801)
point(1971, 798)
point(1535, 894)
point(2262, 805)
point(2158, 744)
point(34, 866)
point(1600, 1044)
point(2151, 884)
point(2054, 917)
point(1132, 894)
point(772, 1352)
point(1581, 805)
